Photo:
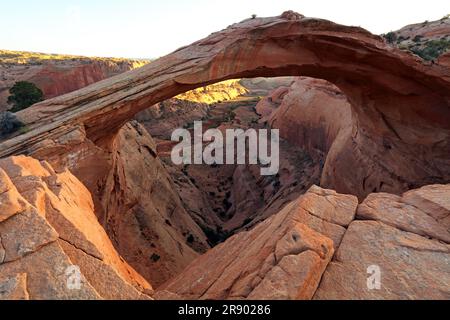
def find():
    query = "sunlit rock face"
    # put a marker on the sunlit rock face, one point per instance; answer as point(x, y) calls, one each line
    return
point(380, 122)
point(48, 226)
point(162, 118)
point(428, 39)
point(400, 105)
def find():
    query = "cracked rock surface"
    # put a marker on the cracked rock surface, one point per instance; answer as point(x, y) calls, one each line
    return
point(49, 227)
point(323, 246)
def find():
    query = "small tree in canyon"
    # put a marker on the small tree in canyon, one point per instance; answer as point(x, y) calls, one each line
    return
point(23, 95)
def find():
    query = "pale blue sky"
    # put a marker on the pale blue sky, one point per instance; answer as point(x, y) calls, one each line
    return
point(151, 28)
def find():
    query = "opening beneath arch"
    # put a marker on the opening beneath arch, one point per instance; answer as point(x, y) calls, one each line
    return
point(224, 199)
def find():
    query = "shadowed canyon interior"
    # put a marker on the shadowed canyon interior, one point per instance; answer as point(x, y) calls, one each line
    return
point(363, 120)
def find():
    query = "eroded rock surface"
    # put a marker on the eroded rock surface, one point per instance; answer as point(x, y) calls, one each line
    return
point(409, 266)
point(56, 74)
point(281, 258)
point(400, 135)
point(143, 214)
point(53, 228)
point(312, 115)
point(404, 240)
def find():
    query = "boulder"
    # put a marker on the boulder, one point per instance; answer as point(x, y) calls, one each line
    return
point(281, 258)
point(55, 229)
point(408, 266)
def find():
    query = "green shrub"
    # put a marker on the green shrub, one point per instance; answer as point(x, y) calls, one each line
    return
point(432, 49)
point(417, 38)
point(390, 37)
point(23, 95)
point(155, 257)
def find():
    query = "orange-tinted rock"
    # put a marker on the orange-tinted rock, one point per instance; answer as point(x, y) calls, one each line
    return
point(14, 288)
point(10, 201)
point(433, 200)
point(144, 215)
point(58, 222)
point(410, 266)
point(407, 213)
point(25, 233)
point(46, 277)
point(269, 104)
point(312, 114)
point(281, 258)
point(162, 118)
point(428, 29)
point(399, 138)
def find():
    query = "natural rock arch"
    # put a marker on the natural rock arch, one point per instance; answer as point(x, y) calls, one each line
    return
point(401, 107)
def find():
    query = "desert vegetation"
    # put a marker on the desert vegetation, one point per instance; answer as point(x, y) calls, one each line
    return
point(23, 95)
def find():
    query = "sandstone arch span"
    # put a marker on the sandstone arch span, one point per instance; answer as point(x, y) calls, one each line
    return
point(401, 132)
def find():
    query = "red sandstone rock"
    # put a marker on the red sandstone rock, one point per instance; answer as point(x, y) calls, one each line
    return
point(408, 241)
point(54, 228)
point(281, 258)
point(14, 288)
point(57, 75)
point(399, 137)
point(312, 114)
point(404, 215)
point(268, 104)
point(445, 59)
point(143, 214)
point(411, 266)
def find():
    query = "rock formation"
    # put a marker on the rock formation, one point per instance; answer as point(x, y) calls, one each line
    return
point(399, 137)
point(268, 104)
point(142, 212)
point(290, 255)
point(406, 237)
point(162, 118)
point(48, 226)
point(281, 258)
point(312, 114)
point(56, 75)
point(134, 199)
point(95, 193)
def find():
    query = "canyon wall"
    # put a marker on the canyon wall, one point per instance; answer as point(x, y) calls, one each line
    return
point(162, 118)
point(311, 114)
point(56, 75)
